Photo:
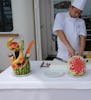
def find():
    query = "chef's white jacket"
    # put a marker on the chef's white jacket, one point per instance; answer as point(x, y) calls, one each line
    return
point(73, 28)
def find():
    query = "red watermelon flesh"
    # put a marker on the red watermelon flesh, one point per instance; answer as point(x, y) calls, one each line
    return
point(76, 65)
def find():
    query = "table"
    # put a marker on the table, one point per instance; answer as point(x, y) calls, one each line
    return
point(37, 86)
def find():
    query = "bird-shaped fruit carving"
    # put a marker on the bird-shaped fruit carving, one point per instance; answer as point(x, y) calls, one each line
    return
point(19, 60)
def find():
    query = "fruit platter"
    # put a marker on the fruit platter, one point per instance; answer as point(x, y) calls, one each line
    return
point(76, 66)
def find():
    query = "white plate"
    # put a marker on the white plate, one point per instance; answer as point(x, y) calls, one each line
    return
point(53, 73)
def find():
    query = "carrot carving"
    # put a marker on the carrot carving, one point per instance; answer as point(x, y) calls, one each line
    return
point(29, 46)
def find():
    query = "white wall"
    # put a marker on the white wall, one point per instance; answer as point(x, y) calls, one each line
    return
point(23, 20)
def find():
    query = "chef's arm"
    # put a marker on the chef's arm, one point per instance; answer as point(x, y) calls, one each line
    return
point(82, 44)
point(63, 38)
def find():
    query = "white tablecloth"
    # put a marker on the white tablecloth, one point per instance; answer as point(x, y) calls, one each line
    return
point(38, 86)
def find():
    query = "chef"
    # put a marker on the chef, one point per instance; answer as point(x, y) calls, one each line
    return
point(70, 31)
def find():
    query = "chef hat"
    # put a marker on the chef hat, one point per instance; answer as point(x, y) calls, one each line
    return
point(79, 4)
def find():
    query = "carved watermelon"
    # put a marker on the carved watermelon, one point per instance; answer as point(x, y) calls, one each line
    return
point(76, 65)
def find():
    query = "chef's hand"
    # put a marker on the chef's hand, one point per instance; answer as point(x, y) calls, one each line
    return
point(71, 51)
point(80, 53)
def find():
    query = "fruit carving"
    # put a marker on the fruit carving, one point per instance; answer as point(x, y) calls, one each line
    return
point(76, 65)
point(19, 60)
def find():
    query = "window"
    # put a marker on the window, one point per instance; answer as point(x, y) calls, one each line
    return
point(6, 24)
point(61, 5)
